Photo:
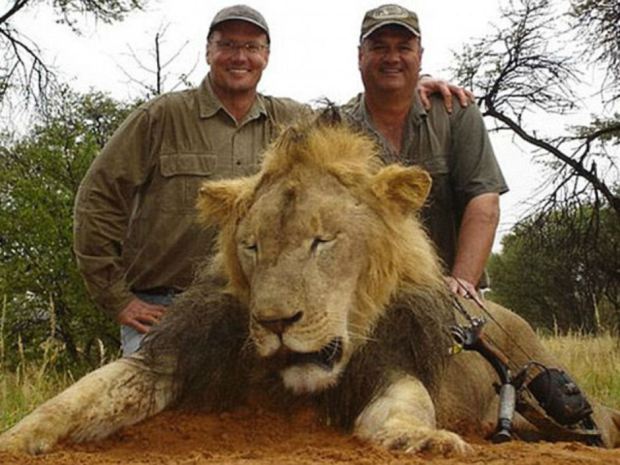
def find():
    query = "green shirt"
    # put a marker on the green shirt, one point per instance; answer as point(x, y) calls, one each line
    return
point(456, 151)
point(135, 227)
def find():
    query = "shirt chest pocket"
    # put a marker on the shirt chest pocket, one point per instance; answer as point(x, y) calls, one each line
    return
point(175, 187)
point(441, 192)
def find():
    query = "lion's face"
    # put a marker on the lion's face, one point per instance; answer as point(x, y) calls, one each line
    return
point(314, 248)
point(302, 250)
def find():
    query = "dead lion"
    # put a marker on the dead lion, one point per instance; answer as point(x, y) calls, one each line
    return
point(325, 288)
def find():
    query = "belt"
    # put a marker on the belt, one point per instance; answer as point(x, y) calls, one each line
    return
point(159, 291)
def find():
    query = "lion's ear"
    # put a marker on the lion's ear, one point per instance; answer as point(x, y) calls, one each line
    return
point(218, 201)
point(402, 188)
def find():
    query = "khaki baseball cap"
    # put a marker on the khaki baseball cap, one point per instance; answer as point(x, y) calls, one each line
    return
point(241, 13)
point(386, 15)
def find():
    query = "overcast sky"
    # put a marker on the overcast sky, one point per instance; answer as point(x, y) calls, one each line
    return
point(313, 55)
point(313, 50)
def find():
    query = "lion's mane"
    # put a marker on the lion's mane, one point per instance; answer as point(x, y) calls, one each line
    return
point(402, 297)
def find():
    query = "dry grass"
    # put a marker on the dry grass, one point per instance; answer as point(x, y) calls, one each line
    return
point(21, 391)
point(594, 362)
point(31, 382)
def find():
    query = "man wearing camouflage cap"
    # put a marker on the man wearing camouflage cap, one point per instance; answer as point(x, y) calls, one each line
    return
point(462, 212)
point(135, 237)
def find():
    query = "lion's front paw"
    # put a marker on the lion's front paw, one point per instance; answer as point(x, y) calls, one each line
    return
point(29, 442)
point(415, 440)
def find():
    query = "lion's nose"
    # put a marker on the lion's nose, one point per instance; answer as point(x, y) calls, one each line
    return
point(279, 325)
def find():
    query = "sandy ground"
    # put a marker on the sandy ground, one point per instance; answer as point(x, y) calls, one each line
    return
point(251, 437)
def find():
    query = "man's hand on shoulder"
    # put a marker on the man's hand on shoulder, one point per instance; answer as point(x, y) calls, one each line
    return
point(428, 86)
point(140, 315)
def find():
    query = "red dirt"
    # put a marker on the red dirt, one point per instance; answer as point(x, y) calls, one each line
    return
point(251, 437)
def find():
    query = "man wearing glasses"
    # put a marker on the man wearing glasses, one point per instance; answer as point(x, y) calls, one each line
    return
point(135, 238)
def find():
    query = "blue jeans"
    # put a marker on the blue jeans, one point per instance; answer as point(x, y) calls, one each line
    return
point(130, 338)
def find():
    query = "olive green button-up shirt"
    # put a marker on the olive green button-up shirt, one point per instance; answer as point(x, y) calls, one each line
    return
point(455, 149)
point(135, 227)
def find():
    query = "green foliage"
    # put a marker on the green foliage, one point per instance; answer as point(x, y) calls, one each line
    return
point(39, 177)
point(561, 271)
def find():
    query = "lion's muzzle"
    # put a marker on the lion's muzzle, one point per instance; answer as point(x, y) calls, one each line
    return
point(279, 325)
point(324, 358)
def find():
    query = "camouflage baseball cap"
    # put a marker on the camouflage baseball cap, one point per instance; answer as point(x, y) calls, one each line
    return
point(241, 13)
point(385, 15)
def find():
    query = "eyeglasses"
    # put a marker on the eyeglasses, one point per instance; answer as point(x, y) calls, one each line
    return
point(230, 46)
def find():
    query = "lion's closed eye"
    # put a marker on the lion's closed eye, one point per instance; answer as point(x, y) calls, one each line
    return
point(320, 243)
point(250, 247)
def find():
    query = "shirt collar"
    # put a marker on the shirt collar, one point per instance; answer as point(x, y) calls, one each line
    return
point(416, 114)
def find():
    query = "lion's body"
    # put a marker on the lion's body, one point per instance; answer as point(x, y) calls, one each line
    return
point(325, 288)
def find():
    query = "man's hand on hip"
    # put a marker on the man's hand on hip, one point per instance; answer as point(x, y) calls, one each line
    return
point(140, 315)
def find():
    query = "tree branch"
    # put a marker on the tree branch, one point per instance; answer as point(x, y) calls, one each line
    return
point(17, 5)
point(577, 167)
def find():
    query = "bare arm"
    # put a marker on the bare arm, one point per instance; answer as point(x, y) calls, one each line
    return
point(427, 85)
point(475, 240)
